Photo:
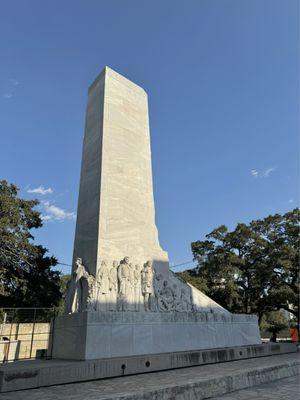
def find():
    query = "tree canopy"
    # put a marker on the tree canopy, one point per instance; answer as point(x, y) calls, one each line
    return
point(252, 269)
point(26, 275)
point(274, 322)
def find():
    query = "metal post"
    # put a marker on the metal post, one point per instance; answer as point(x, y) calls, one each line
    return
point(11, 325)
point(3, 323)
point(51, 338)
point(32, 334)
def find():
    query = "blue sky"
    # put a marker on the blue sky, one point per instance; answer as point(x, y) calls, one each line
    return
point(223, 86)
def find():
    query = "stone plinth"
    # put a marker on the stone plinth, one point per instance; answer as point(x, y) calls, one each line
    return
point(96, 335)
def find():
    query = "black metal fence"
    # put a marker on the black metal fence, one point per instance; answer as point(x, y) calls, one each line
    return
point(25, 333)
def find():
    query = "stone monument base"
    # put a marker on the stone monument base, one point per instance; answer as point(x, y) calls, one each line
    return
point(96, 335)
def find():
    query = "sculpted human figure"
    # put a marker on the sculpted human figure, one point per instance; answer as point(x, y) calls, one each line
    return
point(182, 301)
point(130, 289)
point(104, 278)
point(98, 285)
point(113, 286)
point(147, 285)
point(185, 301)
point(78, 289)
point(102, 287)
point(166, 298)
point(137, 286)
point(123, 283)
point(91, 299)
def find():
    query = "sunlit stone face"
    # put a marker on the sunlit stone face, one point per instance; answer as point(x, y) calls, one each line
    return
point(122, 266)
point(116, 216)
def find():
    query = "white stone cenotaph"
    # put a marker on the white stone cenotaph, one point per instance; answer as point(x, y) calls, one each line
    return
point(123, 300)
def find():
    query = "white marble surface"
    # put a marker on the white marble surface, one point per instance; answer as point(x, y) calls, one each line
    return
point(103, 335)
point(116, 215)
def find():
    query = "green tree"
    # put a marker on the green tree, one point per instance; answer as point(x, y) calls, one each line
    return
point(26, 275)
point(274, 322)
point(283, 236)
point(254, 268)
point(60, 308)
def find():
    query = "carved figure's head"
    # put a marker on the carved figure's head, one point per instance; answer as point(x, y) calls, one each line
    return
point(115, 264)
point(126, 260)
point(78, 261)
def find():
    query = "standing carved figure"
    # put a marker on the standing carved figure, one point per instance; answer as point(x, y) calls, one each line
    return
point(102, 287)
point(97, 288)
point(78, 289)
point(130, 289)
point(137, 287)
point(113, 286)
point(147, 285)
point(185, 302)
point(124, 284)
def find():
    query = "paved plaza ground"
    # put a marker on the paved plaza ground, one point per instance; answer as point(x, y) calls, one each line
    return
point(283, 389)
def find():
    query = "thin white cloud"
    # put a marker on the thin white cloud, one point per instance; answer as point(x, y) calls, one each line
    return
point(8, 95)
point(56, 213)
point(291, 201)
point(14, 82)
point(10, 88)
point(264, 173)
point(254, 173)
point(40, 190)
point(268, 172)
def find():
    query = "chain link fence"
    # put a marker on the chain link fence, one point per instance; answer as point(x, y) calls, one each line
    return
point(25, 333)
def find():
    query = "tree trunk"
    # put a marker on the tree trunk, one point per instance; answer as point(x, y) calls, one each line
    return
point(273, 337)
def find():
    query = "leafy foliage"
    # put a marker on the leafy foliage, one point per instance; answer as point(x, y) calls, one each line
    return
point(60, 308)
point(274, 322)
point(26, 275)
point(254, 268)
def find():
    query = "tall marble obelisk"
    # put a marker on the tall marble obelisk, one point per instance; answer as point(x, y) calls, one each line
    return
point(116, 216)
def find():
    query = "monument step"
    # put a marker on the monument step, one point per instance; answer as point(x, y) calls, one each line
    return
point(39, 373)
point(194, 383)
